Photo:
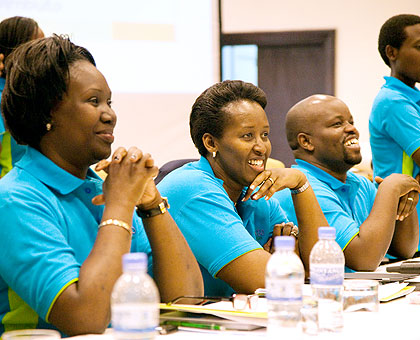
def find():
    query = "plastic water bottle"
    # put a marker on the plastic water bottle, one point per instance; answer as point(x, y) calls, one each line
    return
point(326, 266)
point(285, 276)
point(135, 301)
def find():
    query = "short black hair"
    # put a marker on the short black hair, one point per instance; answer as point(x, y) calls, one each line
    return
point(393, 32)
point(208, 114)
point(15, 31)
point(38, 76)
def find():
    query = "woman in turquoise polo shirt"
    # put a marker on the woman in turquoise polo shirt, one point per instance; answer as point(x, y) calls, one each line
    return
point(14, 31)
point(63, 252)
point(222, 202)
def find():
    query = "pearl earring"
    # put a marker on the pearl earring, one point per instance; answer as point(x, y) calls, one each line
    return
point(48, 126)
point(214, 154)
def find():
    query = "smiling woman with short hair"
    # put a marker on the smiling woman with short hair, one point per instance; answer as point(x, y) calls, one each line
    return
point(222, 202)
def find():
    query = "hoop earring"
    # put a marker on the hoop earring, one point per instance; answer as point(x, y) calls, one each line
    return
point(214, 154)
point(48, 126)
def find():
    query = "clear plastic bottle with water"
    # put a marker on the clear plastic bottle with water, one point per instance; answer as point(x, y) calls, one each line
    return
point(285, 276)
point(135, 301)
point(326, 266)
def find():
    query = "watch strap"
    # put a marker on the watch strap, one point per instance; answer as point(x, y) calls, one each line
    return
point(160, 209)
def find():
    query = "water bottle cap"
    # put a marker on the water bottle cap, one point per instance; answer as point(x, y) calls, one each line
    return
point(284, 242)
point(326, 232)
point(134, 261)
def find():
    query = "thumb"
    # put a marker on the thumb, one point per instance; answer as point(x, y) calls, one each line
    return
point(379, 180)
point(98, 200)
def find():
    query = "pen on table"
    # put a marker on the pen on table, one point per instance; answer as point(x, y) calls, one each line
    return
point(211, 326)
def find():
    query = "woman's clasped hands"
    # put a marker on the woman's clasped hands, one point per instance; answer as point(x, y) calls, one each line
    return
point(129, 179)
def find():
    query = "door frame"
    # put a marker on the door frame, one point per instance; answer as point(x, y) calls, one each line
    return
point(325, 38)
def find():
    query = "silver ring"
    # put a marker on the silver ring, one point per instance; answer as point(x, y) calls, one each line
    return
point(410, 199)
point(270, 179)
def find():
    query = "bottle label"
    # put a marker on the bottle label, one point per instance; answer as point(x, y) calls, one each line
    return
point(330, 274)
point(284, 289)
point(131, 317)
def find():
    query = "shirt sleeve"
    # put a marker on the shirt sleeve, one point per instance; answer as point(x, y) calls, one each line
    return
point(401, 120)
point(213, 229)
point(346, 227)
point(37, 261)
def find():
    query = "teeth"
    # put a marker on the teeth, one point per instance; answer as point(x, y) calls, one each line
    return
point(351, 142)
point(258, 162)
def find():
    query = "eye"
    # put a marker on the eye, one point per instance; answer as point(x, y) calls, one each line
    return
point(265, 134)
point(247, 135)
point(109, 102)
point(337, 124)
point(94, 100)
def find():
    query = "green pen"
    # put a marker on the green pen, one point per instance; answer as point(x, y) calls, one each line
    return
point(194, 325)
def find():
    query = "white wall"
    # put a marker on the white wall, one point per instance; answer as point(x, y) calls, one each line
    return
point(359, 68)
point(157, 57)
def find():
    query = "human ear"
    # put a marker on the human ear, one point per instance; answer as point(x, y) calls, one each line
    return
point(391, 52)
point(305, 141)
point(209, 142)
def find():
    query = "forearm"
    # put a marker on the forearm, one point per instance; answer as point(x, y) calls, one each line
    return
point(84, 307)
point(175, 268)
point(310, 217)
point(406, 237)
point(246, 273)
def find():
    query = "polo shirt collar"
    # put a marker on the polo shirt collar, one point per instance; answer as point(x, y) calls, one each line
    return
point(396, 84)
point(50, 173)
point(204, 165)
point(324, 176)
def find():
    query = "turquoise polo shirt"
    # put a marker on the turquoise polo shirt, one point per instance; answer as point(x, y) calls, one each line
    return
point(217, 230)
point(10, 151)
point(345, 205)
point(48, 226)
point(394, 127)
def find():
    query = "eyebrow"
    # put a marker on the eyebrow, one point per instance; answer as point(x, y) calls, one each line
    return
point(253, 126)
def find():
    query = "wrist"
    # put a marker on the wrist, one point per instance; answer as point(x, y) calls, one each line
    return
point(150, 204)
point(302, 180)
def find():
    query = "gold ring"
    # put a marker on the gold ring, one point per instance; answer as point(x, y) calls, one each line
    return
point(410, 199)
point(295, 231)
point(270, 179)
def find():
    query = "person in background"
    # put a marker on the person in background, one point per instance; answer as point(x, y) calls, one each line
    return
point(222, 202)
point(14, 31)
point(394, 122)
point(369, 222)
point(63, 252)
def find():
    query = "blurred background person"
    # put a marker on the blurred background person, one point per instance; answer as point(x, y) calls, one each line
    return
point(14, 31)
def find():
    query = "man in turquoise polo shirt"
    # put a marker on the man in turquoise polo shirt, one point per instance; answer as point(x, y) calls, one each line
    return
point(369, 222)
point(394, 122)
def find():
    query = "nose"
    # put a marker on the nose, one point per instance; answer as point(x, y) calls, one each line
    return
point(350, 128)
point(260, 146)
point(108, 116)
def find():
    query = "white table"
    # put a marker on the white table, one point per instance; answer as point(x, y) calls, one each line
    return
point(396, 319)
